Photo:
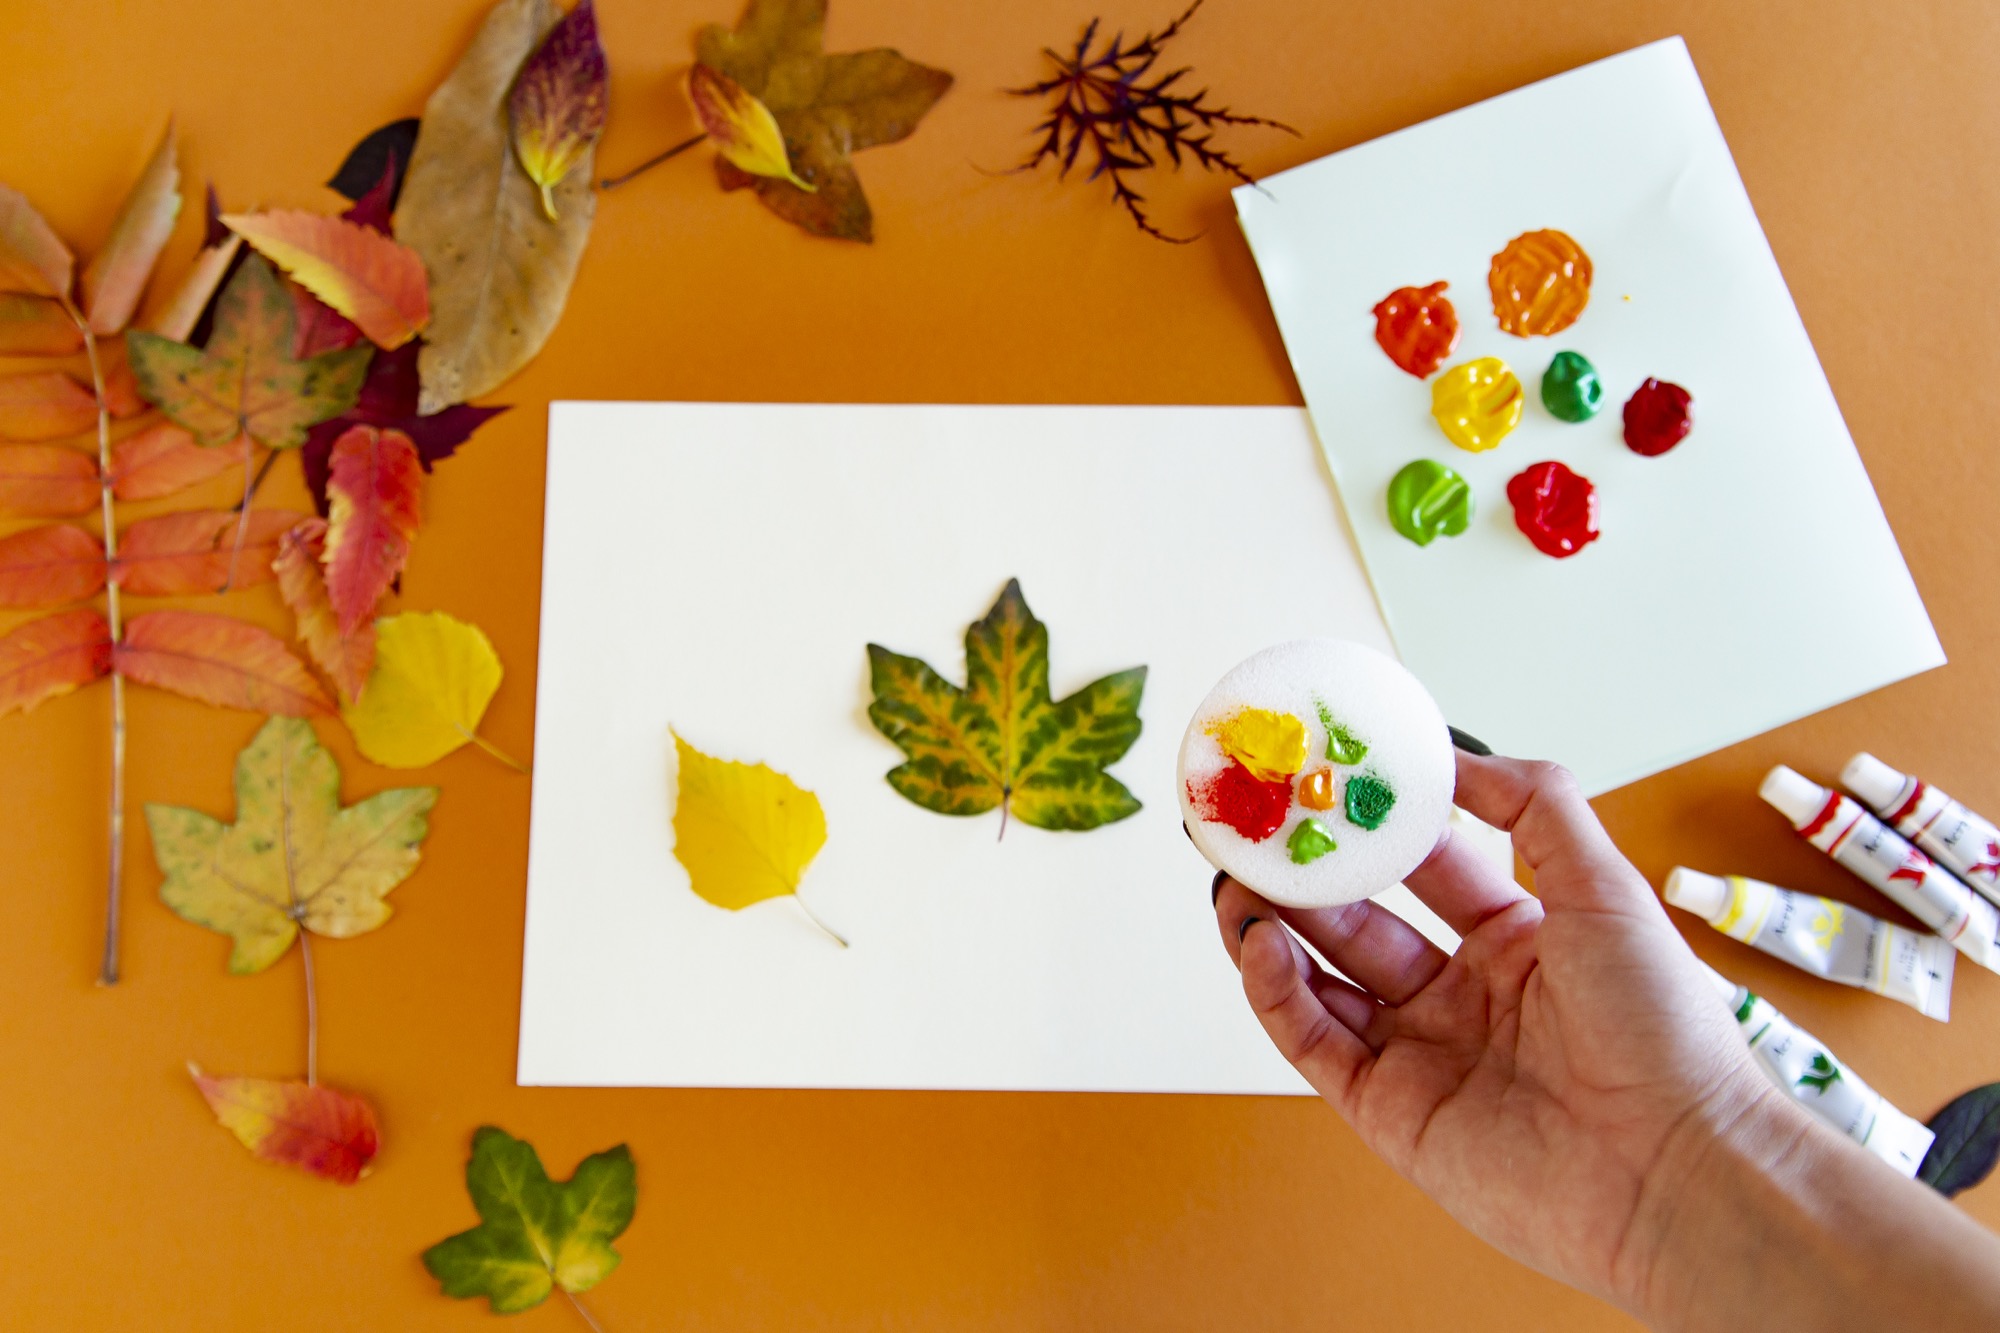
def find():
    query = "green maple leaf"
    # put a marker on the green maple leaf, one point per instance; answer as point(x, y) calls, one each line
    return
point(535, 1234)
point(246, 382)
point(1002, 741)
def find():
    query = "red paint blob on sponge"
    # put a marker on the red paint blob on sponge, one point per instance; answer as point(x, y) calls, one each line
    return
point(1236, 797)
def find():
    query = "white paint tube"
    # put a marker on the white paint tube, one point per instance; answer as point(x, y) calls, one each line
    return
point(1826, 938)
point(1878, 854)
point(1802, 1068)
point(1963, 842)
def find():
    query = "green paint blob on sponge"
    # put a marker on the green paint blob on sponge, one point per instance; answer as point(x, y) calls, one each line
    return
point(1309, 841)
point(1368, 801)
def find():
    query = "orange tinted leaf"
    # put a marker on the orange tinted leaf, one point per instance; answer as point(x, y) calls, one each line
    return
point(320, 1130)
point(46, 480)
point(221, 661)
point(160, 460)
point(742, 128)
point(43, 405)
point(52, 656)
point(36, 326)
point(347, 658)
point(556, 110)
point(191, 552)
point(49, 566)
point(366, 276)
point(121, 387)
point(32, 259)
point(117, 274)
point(182, 311)
point(374, 483)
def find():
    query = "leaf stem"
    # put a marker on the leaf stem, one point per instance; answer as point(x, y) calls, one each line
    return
point(613, 182)
point(495, 751)
point(312, 1008)
point(832, 934)
point(270, 460)
point(243, 510)
point(587, 1317)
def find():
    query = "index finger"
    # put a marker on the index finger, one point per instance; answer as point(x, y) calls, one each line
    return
point(1555, 831)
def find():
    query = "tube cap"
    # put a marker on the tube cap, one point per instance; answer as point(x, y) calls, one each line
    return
point(1877, 784)
point(1793, 794)
point(1707, 896)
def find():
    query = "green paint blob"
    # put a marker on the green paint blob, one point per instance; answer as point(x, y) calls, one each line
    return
point(1309, 841)
point(1342, 745)
point(1368, 800)
point(1570, 388)
point(1428, 500)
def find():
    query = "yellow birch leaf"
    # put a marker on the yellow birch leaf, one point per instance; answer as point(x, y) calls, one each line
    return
point(433, 677)
point(745, 832)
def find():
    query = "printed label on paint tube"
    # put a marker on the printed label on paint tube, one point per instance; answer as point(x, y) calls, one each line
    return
point(1962, 841)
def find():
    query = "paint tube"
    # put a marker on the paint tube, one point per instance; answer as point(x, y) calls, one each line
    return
point(1878, 854)
point(1962, 842)
point(1826, 938)
point(1806, 1071)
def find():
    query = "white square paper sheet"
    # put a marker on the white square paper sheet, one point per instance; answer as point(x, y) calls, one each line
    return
point(1744, 579)
point(720, 568)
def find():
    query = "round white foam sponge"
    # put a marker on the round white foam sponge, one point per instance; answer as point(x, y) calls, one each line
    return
point(1317, 772)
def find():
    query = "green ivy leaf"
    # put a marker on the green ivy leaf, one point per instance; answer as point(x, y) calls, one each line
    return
point(1002, 741)
point(1968, 1141)
point(535, 1234)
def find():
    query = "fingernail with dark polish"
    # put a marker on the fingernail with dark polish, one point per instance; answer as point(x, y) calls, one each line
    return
point(1244, 929)
point(1469, 744)
point(1215, 886)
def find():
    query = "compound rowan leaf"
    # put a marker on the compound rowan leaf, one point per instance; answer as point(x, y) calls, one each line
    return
point(46, 481)
point(52, 656)
point(1002, 740)
point(374, 489)
point(44, 404)
point(366, 276)
point(319, 1130)
point(499, 269)
point(121, 386)
point(742, 128)
point(36, 326)
point(32, 258)
point(557, 106)
point(744, 832)
point(829, 106)
point(116, 275)
point(163, 458)
point(295, 857)
point(534, 1234)
point(433, 677)
point(49, 566)
point(347, 658)
point(195, 551)
point(246, 380)
point(218, 660)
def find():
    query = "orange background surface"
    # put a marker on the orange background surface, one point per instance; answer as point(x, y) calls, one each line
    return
point(1869, 137)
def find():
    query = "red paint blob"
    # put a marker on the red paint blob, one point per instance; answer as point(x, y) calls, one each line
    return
point(1417, 327)
point(1656, 418)
point(1237, 798)
point(1555, 508)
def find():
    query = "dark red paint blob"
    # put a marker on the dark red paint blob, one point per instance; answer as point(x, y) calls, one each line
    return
point(1555, 508)
point(1417, 327)
point(1656, 418)
point(1237, 798)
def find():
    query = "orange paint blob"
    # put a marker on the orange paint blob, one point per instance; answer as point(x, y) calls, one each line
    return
point(1417, 327)
point(1540, 283)
point(1316, 789)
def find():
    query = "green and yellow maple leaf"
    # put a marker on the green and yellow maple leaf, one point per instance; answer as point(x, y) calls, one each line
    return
point(246, 382)
point(294, 858)
point(534, 1234)
point(1002, 740)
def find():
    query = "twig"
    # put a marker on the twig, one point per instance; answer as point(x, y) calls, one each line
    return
point(270, 460)
point(595, 1326)
point(312, 1008)
point(613, 182)
point(243, 509)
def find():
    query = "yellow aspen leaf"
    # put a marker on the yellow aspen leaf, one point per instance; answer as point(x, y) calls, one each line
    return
point(742, 128)
point(745, 832)
point(434, 675)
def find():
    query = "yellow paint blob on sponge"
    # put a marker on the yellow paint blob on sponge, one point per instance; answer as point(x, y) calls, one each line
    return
point(1271, 745)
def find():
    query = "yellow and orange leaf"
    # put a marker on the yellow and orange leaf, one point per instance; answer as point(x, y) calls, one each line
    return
point(193, 551)
point(160, 460)
point(374, 484)
point(219, 660)
point(182, 311)
point(368, 277)
point(742, 128)
point(46, 480)
point(49, 566)
point(347, 658)
point(43, 405)
point(116, 275)
point(36, 326)
point(320, 1130)
point(32, 258)
point(52, 656)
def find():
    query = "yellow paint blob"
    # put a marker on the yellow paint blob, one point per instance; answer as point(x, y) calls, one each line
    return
point(1271, 745)
point(1477, 403)
point(1316, 790)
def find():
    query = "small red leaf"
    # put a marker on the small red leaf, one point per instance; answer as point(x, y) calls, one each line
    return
point(46, 480)
point(374, 485)
point(192, 551)
point(161, 460)
point(347, 658)
point(221, 661)
point(320, 1130)
point(321, 328)
point(52, 656)
point(49, 566)
point(43, 405)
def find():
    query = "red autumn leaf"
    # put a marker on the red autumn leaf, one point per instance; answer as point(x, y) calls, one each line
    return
point(321, 328)
point(219, 660)
point(366, 276)
point(117, 274)
point(121, 386)
point(46, 480)
point(556, 110)
point(192, 551)
point(374, 488)
point(347, 658)
point(52, 656)
point(32, 259)
point(389, 399)
point(163, 459)
point(43, 405)
point(36, 326)
point(320, 1130)
point(49, 566)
